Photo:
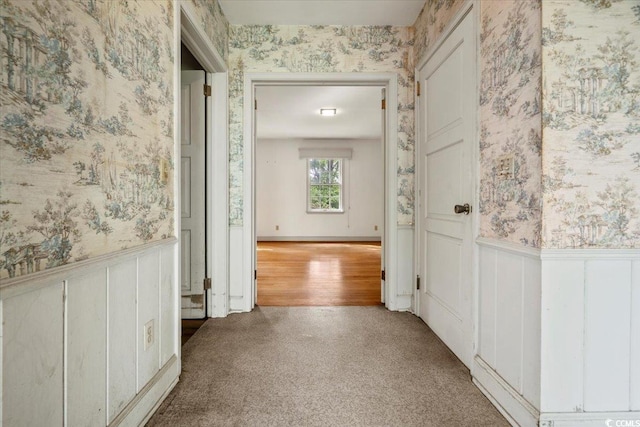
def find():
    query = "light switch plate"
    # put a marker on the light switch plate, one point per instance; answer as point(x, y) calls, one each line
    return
point(505, 167)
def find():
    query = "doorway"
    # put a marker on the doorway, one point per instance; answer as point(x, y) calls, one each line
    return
point(193, 178)
point(389, 229)
point(319, 194)
point(214, 301)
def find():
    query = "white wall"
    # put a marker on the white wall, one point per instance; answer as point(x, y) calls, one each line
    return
point(72, 341)
point(281, 191)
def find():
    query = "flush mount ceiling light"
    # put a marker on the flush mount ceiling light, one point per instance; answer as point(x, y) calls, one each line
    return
point(327, 111)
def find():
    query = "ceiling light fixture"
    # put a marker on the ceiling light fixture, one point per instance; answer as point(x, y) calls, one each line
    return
point(327, 111)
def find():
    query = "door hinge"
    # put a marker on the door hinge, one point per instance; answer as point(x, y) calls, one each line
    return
point(418, 282)
point(383, 275)
point(255, 274)
point(207, 283)
point(207, 90)
point(255, 104)
point(418, 88)
point(384, 104)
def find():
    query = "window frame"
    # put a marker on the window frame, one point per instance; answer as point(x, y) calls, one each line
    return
point(311, 210)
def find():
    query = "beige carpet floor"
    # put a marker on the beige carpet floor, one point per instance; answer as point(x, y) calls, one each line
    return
point(317, 366)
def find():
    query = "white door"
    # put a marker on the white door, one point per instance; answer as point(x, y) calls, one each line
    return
point(192, 183)
point(447, 131)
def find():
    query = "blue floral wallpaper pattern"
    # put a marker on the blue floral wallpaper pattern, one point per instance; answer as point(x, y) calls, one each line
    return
point(431, 22)
point(591, 123)
point(510, 121)
point(215, 24)
point(322, 49)
point(86, 129)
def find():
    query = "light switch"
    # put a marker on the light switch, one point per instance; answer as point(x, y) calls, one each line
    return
point(504, 166)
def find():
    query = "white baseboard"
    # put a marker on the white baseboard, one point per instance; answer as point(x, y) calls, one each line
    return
point(319, 239)
point(517, 410)
point(590, 419)
point(144, 405)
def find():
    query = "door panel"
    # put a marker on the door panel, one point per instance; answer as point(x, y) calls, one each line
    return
point(192, 186)
point(447, 132)
point(441, 87)
point(444, 181)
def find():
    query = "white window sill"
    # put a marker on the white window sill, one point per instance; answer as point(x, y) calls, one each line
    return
point(325, 211)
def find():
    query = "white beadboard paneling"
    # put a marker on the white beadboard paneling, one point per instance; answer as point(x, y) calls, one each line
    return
point(531, 331)
point(607, 332)
point(487, 309)
point(168, 318)
point(508, 362)
point(561, 365)
point(32, 352)
point(148, 309)
point(509, 315)
point(33, 366)
point(86, 349)
point(634, 359)
point(122, 335)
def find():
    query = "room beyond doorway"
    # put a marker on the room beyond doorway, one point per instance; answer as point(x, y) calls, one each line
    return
point(319, 273)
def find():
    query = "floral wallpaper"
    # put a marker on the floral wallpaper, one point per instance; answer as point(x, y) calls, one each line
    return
point(86, 129)
point(215, 24)
point(591, 123)
point(510, 121)
point(431, 22)
point(323, 49)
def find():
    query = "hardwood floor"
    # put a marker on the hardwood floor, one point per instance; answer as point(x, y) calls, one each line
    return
point(318, 274)
point(189, 327)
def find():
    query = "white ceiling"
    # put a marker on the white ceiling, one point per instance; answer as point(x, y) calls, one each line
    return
point(322, 12)
point(294, 112)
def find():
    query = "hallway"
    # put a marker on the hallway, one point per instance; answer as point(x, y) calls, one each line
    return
point(322, 366)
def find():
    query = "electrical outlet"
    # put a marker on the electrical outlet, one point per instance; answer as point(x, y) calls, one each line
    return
point(277, 227)
point(375, 228)
point(149, 335)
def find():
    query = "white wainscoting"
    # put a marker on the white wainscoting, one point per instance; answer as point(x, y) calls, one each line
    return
point(590, 336)
point(72, 340)
point(237, 273)
point(507, 362)
point(406, 273)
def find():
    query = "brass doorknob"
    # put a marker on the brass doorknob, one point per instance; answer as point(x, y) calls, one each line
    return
point(465, 209)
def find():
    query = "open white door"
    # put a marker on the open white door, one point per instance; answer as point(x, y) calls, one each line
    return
point(447, 124)
point(192, 183)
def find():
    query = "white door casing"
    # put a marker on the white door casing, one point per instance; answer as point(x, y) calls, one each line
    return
point(192, 186)
point(447, 124)
point(244, 256)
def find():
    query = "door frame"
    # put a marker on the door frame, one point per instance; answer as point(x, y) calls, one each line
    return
point(198, 43)
point(470, 8)
point(390, 239)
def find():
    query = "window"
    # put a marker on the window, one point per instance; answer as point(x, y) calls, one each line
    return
point(325, 185)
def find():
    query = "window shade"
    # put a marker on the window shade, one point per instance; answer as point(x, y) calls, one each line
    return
point(325, 153)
